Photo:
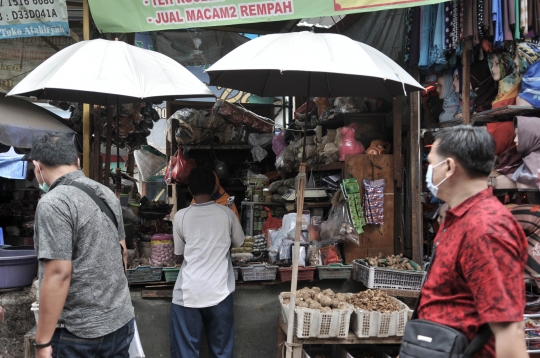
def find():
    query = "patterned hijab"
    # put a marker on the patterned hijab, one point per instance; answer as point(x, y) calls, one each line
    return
point(528, 54)
point(506, 64)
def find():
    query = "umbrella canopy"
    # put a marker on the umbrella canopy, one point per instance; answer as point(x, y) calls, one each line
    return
point(21, 122)
point(334, 65)
point(102, 72)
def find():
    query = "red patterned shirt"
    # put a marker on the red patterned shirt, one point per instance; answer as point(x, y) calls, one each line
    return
point(477, 275)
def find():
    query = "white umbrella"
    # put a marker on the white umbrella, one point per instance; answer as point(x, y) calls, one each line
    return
point(334, 65)
point(323, 65)
point(102, 72)
point(110, 72)
point(21, 122)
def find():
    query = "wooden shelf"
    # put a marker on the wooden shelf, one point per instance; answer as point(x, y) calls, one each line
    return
point(217, 146)
point(506, 113)
point(324, 167)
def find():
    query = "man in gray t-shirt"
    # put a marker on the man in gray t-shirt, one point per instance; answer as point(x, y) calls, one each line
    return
point(85, 307)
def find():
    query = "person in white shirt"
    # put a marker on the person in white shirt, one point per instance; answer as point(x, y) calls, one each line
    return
point(203, 293)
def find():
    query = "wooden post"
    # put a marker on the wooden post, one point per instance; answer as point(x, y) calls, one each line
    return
point(466, 86)
point(398, 180)
point(108, 144)
point(97, 144)
point(87, 131)
point(130, 166)
point(415, 179)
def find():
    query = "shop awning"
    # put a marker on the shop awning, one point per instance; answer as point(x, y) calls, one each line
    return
point(21, 122)
point(158, 15)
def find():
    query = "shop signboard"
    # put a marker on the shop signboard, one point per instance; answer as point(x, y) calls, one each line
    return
point(157, 15)
point(33, 18)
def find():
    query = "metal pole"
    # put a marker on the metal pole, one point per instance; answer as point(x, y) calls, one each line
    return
point(87, 131)
point(118, 177)
point(300, 185)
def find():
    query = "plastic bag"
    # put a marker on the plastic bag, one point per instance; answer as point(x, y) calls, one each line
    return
point(315, 228)
point(314, 256)
point(329, 255)
point(149, 161)
point(258, 141)
point(302, 257)
point(179, 168)
point(374, 201)
point(350, 105)
point(273, 187)
point(278, 143)
point(339, 226)
point(135, 348)
point(285, 250)
point(322, 105)
point(271, 222)
point(349, 144)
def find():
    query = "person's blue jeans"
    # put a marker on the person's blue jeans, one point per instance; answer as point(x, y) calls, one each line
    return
point(113, 345)
point(187, 325)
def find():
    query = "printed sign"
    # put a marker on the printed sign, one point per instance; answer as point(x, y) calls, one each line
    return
point(30, 18)
point(157, 15)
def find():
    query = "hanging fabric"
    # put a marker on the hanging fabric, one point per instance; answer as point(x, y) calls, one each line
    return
point(426, 36)
point(497, 9)
point(509, 82)
point(415, 37)
point(438, 51)
point(488, 18)
point(508, 16)
point(455, 23)
point(448, 21)
point(524, 16)
point(480, 18)
point(483, 84)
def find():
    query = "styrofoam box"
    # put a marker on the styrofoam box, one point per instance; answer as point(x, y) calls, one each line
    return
point(376, 324)
point(310, 323)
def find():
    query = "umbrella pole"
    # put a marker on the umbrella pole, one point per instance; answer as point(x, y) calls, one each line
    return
point(300, 186)
point(118, 177)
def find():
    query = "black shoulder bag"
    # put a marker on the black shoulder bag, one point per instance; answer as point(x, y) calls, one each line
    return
point(102, 204)
point(428, 339)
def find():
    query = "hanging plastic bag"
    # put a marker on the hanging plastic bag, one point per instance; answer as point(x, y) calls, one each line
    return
point(302, 257)
point(330, 255)
point(278, 143)
point(258, 141)
point(149, 161)
point(135, 348)
point(179, 168)
point(271, 222)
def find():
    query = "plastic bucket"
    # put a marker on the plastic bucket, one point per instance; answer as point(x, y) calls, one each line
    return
point(18, 268)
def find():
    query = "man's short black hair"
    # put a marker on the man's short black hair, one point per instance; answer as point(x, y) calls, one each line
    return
point(54, 149)
point(201, 181)
point(472, 147)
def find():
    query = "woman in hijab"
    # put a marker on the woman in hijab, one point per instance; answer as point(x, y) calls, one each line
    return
point(446, 90)
point(484, 85)
point(222, 198)
point(528, 145)
point(527, 61)
point(458, 87)
point(504, 72)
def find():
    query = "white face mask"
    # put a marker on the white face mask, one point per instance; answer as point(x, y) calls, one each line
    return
point(429, 179)
point(44, 186)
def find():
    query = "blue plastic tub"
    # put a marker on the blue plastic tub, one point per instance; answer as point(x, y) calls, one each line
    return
point(18, 268)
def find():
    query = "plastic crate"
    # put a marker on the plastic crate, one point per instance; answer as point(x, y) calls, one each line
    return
point(235, 269)
point(259, 272)
point(375, 324)
point(304, 274)
point(379, 277)
point(144, 274)
point(335, 272)
point(321, 350)
point(171, 273)
point(313, 323)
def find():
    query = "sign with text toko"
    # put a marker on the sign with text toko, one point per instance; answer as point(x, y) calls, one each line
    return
point(29, 18)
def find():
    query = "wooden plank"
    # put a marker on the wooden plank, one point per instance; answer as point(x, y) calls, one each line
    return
point(157, 293)
point(375, 237)
point(466, 86)
point(398, 163)
point(415, 178)
point(130, 164)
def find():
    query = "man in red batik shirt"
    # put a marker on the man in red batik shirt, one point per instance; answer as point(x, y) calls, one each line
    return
point(477, 274)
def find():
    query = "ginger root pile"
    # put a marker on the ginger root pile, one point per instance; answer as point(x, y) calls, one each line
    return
point(314, 298)
point(397, 262)
point(374, 300)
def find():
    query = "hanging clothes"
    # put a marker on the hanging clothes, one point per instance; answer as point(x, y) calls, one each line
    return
point(470, 26)
point(508, 16)
point(448, 21)
point(438, 50)
point(534, 16)
point(415, 37)
point(523, 17)
point(488, 18)
point(530, 87)
point(426, 36)
point(455, 24)
point(497, 8)
point(529, 147)
point(450, 99)
point(517, 29)
point(408, 31)
point(480, 18)
point(509, 79)
point(483, 84)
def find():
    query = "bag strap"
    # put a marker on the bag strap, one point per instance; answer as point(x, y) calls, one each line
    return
point(102, 204)
point(483, 334)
